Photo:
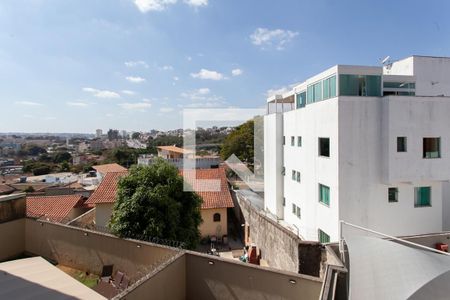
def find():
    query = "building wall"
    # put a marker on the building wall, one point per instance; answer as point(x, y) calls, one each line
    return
point(103, 213)
point(227, 279)
point(209, 227)
point(273, 164)
point(168, 283)
point(12, 240)
point(90, 251)
point(311, 122)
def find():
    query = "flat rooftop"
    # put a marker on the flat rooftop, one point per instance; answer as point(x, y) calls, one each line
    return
point(31, 278)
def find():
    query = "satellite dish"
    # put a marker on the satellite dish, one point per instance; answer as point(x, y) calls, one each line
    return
point(386, 59)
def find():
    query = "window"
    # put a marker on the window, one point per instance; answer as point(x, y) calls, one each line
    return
point(292, 140)
point(298, 176)
point(284, 140)
point(359, 85)
point(329, 87)
point(216, 217)
point(300, 100)
point(323, 237)
point(422, 196)
point(284, 201)
point(294, 208)
point(324, 194)
point(299, 213)
point(401, 144)
point(293, 174)
point(283, 171)
point(432, 147)
point(314, 92)
point(324, 147)
point(393, 194)
point(299, 141)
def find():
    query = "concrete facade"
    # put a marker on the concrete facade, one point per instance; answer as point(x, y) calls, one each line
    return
point(209, 227)
point(103, 213)
point(363, 161)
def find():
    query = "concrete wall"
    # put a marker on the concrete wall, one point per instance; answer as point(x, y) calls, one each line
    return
point(316, 120)
point(103, 212)
point(168, 282)
point(209, 227)
point(12, 207)
point(279, 246)
point(12, 240)
point(71, 246)
point(217, 278)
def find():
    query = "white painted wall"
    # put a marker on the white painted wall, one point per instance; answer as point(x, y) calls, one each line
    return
point(103, 212)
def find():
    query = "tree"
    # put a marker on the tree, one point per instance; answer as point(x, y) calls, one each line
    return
point(136, 135)
point(42, 170)
point(240, 143)
point(62, 157)
point(65, 167)
point(151, 203)
point(113, 134)
point(29, 189)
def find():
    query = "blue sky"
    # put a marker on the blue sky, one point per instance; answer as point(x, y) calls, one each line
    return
point(74, 66)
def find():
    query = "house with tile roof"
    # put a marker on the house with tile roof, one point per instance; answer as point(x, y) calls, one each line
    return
point(61, 208)
point(169, 152)
point(212, 186)
point(104, 197)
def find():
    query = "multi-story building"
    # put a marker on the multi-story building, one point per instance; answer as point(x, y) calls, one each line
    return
point(367, 145)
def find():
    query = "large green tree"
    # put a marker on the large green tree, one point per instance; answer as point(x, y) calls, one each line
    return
point(240, 142)
point(151, 203)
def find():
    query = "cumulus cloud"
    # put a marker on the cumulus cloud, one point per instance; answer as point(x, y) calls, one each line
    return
point(136, 63)
point(196, 3)
point(137, 106)
point(105, 94)
point(236, 72)
point(128, 92)
point(198, 94)
point(208, 74)
point(279, 91)
point(277, 38)
point(28, 103)
point(77, 104)
point(153, 5)
point(135, 79)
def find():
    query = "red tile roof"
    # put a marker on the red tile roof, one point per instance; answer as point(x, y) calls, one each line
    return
point(54, 208)
point(107, 190)
point(221, 197)
point(109, 168)
point(6, 189)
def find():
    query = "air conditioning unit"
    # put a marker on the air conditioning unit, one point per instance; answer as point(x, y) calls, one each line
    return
point(442, 247)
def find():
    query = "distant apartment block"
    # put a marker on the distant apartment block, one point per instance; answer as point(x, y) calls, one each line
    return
point(368, 145)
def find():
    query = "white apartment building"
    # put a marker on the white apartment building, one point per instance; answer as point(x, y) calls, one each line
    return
point(367, 145)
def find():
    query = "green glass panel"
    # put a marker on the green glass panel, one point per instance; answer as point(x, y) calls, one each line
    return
point(310, 94)
point(301, 100)
point(373, 85)
point(348, 85)
point(332, 86)
point(326, 88)
point(318, 91)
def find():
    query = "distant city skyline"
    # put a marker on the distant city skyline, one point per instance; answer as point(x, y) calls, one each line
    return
point(76, 66)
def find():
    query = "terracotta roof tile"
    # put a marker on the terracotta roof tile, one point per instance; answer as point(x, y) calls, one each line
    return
point(175, 149)
point(6, 189)
point(109, 168)
point(220, 197)
point(107, 190)
point(54, 208)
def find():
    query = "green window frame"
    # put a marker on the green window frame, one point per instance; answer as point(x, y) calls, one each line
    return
point(299, 141)
point(359, 85)
point(323, 237)
point(292, 140)
point(300, 99)
point(422, 196)
point(329, 87)
point(298, 176)
point(432, 147)
point(294, 174)
point(324, 194)
point(392, 194)
point(294, 208)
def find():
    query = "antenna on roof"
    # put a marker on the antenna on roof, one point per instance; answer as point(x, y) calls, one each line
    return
point(385, 60)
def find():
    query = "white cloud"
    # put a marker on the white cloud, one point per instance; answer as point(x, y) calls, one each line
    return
point(166, 68)
point(236, 72)
point(266, 38)
point(28, 103)
point(136, 63)
point(199, 94)
point(166, 109)
point(146, 100)
point(176, 78)
point(153, 5)
point(207, 74)
point(101, 93)
point(139, 106)
point(77, 104)
point(128, 92)
point(196, 3)
point(135, 79)
point(280, 91)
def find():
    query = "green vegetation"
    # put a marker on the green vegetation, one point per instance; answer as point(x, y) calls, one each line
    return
point(151, 203)
point(163, 140)
point(240, 143)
